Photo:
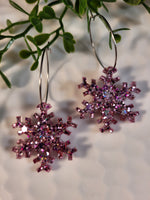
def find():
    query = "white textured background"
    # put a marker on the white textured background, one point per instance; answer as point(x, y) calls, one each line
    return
point(107, 166)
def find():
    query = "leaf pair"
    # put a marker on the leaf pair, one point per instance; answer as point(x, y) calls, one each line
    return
point(35, 20)
point(46, 13)
point(116, 36)
point(37, 41)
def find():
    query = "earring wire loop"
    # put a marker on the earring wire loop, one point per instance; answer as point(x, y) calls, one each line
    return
point(41, 77)
point(92, 17)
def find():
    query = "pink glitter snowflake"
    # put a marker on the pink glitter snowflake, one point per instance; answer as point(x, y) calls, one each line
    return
point(43, 138)
point(108, 101)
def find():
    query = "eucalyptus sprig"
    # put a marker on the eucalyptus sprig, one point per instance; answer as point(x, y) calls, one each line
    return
point(34, 20)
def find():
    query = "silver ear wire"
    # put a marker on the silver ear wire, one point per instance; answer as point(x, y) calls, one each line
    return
point(112, 36)
point(47, 76)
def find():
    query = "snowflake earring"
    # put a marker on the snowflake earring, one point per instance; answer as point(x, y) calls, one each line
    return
point(43, 133)
point(108, 100)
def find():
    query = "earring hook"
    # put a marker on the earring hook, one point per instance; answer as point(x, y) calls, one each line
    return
point(112, 36)
point(47, 76)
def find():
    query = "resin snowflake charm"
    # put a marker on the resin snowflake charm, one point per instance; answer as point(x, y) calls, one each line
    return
point(108, 101)
point(43, 138)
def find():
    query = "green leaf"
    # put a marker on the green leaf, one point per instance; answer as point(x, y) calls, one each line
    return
point(46, 1)
point(146, 6)
point(9, 23)
point(81, 6)
point(41, 39)
point(36, 22)
point(15, 5)
point(35, 65)
point(68, 3)
point(34, 11)
point(94, 4)
point(5, 79)
point(69, 42)
point(120, 29)
point(117, 38)
point(24, 53)
point(31, 1)
point(47, 13)
point(133, 2)
point(31, 39)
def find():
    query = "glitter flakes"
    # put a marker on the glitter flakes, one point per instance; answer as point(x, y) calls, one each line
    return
point(108, 101)
point(43, 138)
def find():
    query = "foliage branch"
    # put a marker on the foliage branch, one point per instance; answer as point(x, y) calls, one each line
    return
point(35, 19)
